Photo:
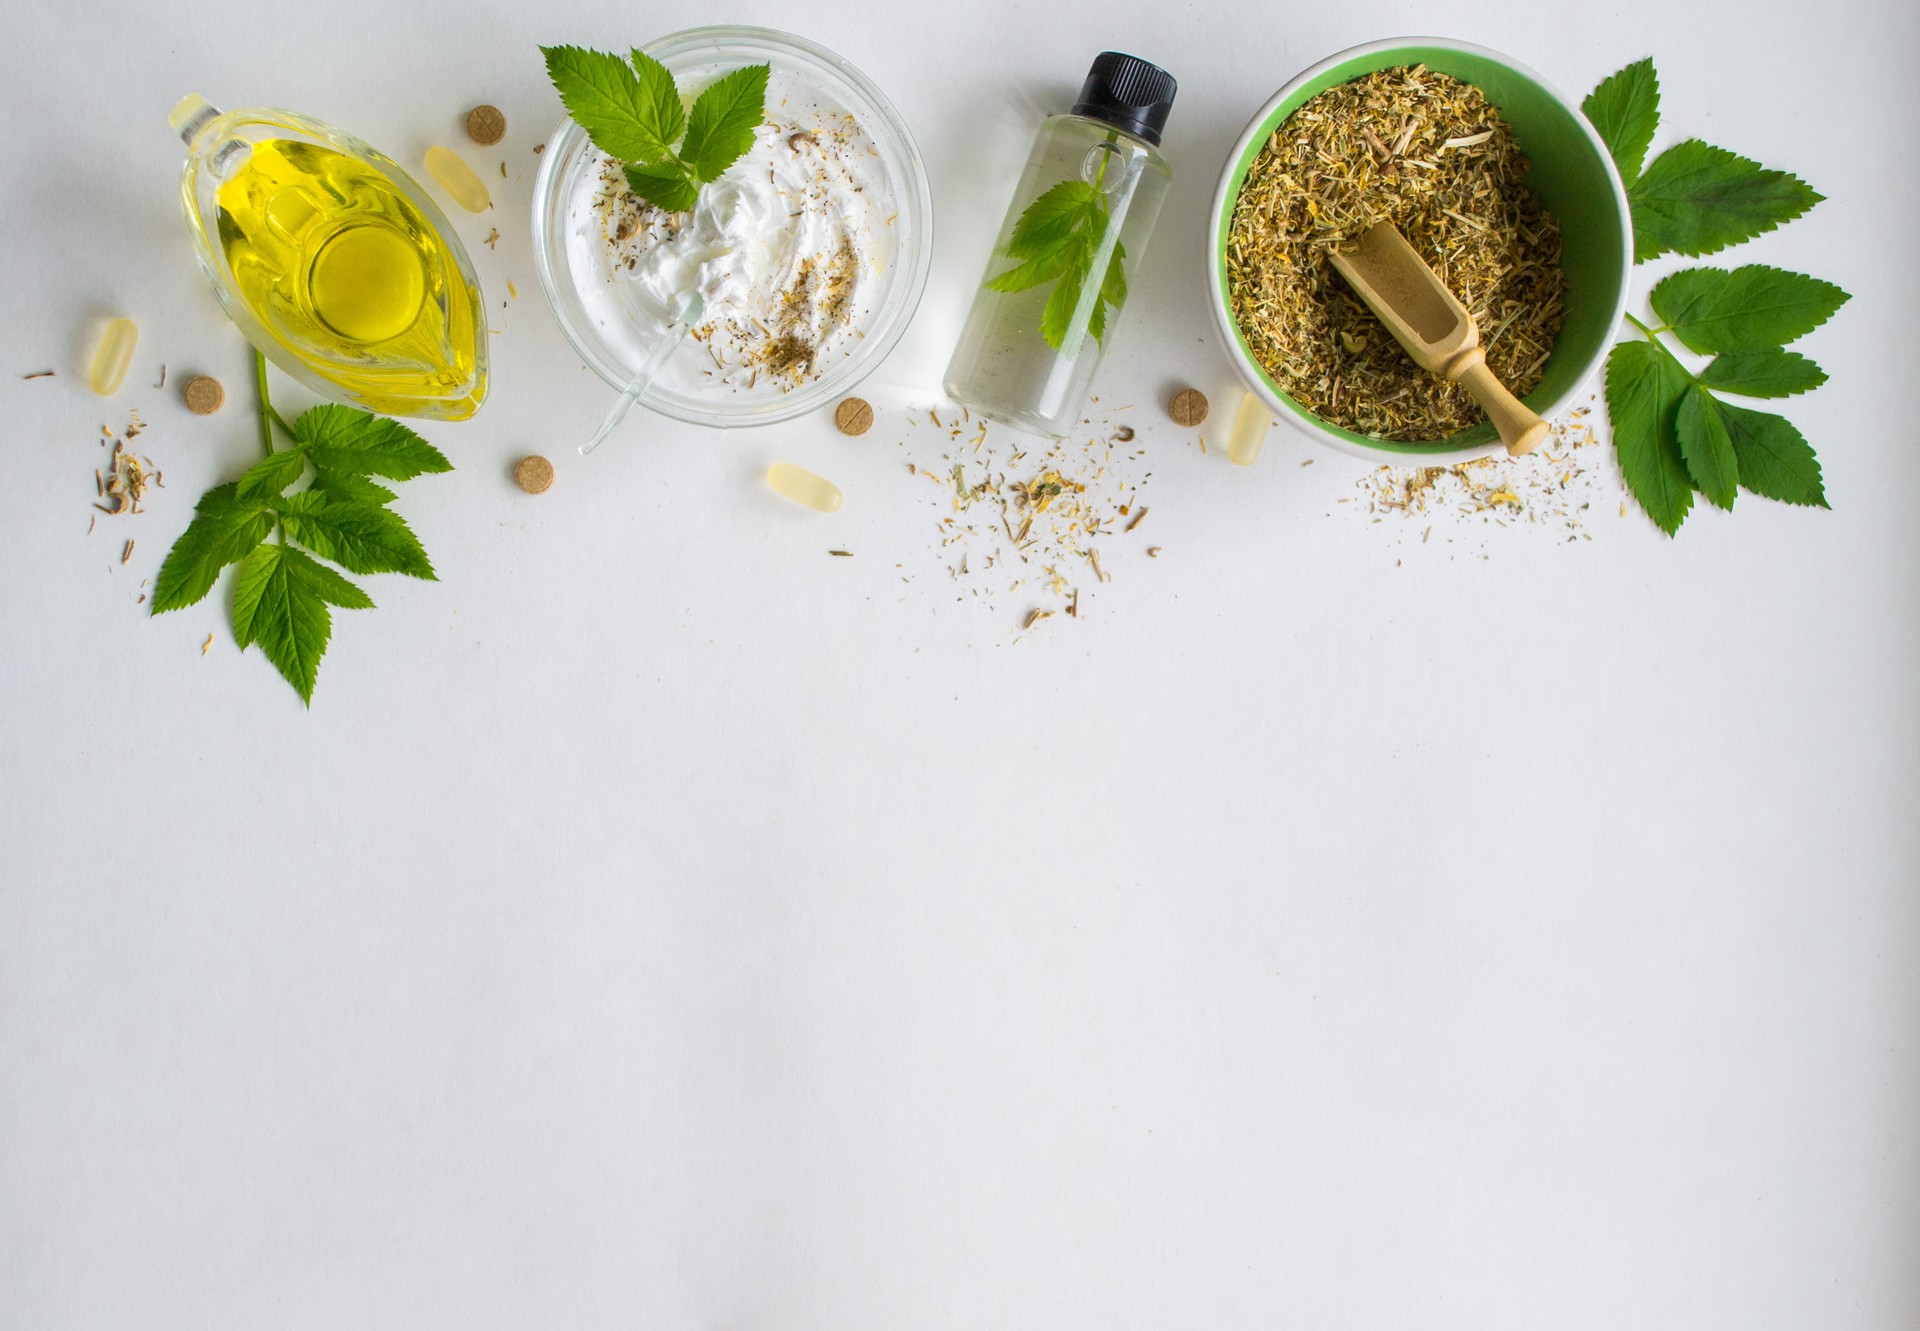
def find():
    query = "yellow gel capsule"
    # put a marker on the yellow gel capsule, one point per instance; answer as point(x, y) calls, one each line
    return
point(458, 180)
point(803, 487)
point(1250, 425)
point(111, 356)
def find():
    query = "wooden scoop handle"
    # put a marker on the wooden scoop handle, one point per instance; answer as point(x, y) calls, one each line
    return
point(1521, 430)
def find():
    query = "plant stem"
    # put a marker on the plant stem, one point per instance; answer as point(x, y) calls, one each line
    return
point(266, 405)
point(268, 419)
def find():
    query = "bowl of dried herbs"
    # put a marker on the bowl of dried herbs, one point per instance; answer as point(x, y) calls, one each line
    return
point(1490, 172)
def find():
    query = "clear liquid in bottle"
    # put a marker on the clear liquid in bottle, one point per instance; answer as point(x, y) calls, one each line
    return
point(1067, 251)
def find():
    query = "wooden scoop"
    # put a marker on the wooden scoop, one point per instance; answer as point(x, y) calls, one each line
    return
point(1415, 305)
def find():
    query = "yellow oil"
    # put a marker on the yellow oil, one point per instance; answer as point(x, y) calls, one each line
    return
point(346, 273)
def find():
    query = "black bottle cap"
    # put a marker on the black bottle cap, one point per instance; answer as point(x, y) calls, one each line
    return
point(1129, 94)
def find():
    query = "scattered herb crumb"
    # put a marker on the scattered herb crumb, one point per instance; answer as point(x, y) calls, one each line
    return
point(1430, 154)
point(1023, 514)
point(1554, 487)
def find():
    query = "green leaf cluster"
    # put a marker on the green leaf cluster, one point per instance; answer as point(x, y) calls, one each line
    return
point(1058, 239)
point(1694, 198)
point(634, 113)
point(1674, 432)
point(282, 594)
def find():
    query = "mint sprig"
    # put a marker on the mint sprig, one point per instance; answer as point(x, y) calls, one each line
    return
point(635, 114)
point(1057, 240)
point(1673, 432)
point(282, 593)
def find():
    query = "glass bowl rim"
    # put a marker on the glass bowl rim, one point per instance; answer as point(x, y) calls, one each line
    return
point(913, 261)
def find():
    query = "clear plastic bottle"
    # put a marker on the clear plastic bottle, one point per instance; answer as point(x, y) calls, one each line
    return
point(1067, 251)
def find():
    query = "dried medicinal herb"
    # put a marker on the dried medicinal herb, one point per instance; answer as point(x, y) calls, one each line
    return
point(1429, 154)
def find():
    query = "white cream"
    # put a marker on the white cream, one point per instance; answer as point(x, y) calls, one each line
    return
point(789, 247)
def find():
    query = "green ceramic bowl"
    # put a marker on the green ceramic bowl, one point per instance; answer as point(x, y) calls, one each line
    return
point(1571, 170)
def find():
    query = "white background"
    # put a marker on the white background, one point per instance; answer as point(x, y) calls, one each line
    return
point(658, 923)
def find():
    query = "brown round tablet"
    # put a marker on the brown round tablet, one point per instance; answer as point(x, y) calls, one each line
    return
point(485, 124)
point(854, 415)
point(1189, 407)
point(203, 395)
point(533, 473)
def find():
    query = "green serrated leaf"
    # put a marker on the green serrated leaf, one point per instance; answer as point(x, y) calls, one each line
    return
point(1697, 198)
point(1113, 291)
point(344, 485)
point(1113, 287)
point(1057, 318)
point(363, 538)
point(725, 115)
point(665, 187)
point(358, 443)
point(272, 474)
point(255, 572)
point(1035, 271)
point(323, 582)
point(1050, 220)
point(1769, 372)
point(280, 602)
point(1705, 446)
point(1644, 388)
point(662, 98)
point(224, 530)
point(626, 117)
point(1057, 237)
point(1775, 459)
point(1625, 109)
point(1748, 309)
